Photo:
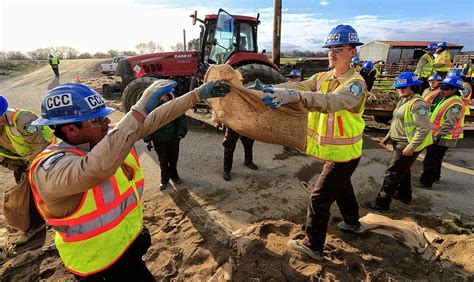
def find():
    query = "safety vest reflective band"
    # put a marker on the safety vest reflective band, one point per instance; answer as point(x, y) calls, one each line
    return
point(22, 148)
point(335, 137)
point(106, 223)
point(427, 68)
point(467, 99)
point(443, 58)
point(431, 95)
point(54, 61)
point(438, 118)
point(410, 126)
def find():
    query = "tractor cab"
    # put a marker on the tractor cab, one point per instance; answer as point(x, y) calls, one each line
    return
point(224, 35)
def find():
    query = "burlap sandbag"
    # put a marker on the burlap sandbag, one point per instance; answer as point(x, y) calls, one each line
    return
point(16, 200)
point(243, 111)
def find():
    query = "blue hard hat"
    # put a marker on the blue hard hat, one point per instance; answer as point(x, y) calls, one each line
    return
point(442, 44)
point(456, 72)
point(368, 65)
point(295, 73)
point(453, 81)
point(3, 105)
point(435, 76)
point(355, 60)
point(431, 47)
point(69, 103)
point(407, 79)
point(342, 34)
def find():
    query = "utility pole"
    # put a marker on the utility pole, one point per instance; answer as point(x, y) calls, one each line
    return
point(184, 39)
point(276, 32)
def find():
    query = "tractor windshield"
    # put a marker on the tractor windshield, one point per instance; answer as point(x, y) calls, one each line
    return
point(224, 41)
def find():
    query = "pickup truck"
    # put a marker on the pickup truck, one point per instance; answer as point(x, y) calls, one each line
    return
point(109, 69)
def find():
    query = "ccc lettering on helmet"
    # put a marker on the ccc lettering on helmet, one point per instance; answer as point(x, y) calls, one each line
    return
point(94, 101)
point(333, 37)
point(353, 37)
point(58, 101)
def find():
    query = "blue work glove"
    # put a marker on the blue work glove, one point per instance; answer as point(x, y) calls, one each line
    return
point(212, 89)
point(279, 97)
point(151, 96)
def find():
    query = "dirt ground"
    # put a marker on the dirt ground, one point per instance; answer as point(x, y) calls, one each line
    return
point(198, 227)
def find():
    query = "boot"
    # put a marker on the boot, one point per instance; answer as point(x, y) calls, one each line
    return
point(251, 165)
point(226, 175)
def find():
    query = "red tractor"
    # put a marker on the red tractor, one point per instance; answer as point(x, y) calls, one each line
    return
point(223, 39)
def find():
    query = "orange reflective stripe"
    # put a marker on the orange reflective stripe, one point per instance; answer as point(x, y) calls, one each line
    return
point(333, 141)
point(442, 111)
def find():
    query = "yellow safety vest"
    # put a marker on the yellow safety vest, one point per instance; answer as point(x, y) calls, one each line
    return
point(22, 148)
point(438, 118)
point(443, 58)
point(427, 68)
point(467, 99)
point(54, 61)
point(106, 223)
point(335, 137)
point(410, 126)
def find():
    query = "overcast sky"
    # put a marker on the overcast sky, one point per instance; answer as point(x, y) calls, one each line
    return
point(100, 25)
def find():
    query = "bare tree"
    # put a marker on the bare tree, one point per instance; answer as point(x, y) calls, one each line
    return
point(178, 47)
point(141, 48)
point(85, 55)
point(129, 53)
point(193, 44)
point(113, 53)
point(100, 55)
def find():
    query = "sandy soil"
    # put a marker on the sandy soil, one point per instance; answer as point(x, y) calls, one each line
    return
point(196, 225)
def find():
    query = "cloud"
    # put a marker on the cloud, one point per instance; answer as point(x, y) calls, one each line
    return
point(324, 3)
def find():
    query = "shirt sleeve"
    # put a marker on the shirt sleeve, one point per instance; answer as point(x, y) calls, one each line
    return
point(307, 85)
point(419, 66)
point(350, 97)
point(421, 118)
point(33, 135)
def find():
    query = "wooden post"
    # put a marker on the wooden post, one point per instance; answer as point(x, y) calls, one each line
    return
point(184, 39)
point(276, 33)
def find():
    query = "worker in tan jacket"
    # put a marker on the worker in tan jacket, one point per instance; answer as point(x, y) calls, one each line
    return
point(20, 142)
point(89, 187)
point(336, 101)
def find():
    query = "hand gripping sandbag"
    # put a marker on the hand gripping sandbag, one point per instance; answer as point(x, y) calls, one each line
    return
point(243, 111)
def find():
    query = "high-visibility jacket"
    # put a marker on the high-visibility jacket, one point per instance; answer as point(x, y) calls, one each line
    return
point(54, 61)
point(22, 149)
point(410, 126)
point(427, 68)
point(443, 58)
point(335, 137)
point(430, 95)
point(438, 118)
point(467, 99)
point(106, 223)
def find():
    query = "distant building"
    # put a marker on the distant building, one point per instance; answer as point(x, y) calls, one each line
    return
point(393, 51)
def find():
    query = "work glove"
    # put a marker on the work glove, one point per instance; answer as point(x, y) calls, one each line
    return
point(213, 89)
point(279, 97)
point(151, 96)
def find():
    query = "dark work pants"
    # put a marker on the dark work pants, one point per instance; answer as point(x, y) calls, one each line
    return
point(334, 184)
point(230, 142)
point(55, 69)
point(168, 154)
point(397, 176)
point(130, 266)
point(432, 163)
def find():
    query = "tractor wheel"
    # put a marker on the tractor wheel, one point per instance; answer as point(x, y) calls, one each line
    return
point(266, 74)
point(134, 91)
